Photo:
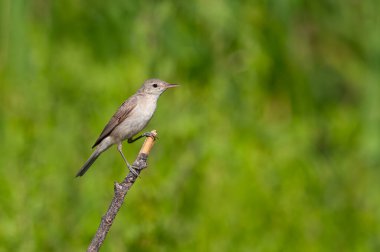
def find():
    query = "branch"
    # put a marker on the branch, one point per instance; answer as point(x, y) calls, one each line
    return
point(121, 190)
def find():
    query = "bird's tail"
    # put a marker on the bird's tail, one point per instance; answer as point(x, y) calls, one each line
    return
point(89, 162)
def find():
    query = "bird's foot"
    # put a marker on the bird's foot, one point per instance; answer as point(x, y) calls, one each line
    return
point(150, 134)
point(133, 170)
point(146, 134)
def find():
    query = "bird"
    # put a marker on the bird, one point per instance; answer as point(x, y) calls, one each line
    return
point(131, 118)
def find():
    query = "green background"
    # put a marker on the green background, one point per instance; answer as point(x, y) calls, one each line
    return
point(270, 144)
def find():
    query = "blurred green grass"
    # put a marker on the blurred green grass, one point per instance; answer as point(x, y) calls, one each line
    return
point(271, 143)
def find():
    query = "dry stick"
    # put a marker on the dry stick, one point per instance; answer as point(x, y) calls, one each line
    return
point(121, 190)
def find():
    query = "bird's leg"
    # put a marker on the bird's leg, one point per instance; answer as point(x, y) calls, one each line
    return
point(130, 140)
point(130, 167)
point(146, 134)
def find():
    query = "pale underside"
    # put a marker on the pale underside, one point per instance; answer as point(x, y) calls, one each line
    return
point(131, 117)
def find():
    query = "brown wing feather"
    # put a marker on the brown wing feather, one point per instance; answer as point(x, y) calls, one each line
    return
point(122, 113)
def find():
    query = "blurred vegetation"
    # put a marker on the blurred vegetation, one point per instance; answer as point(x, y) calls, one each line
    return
point(271, 143)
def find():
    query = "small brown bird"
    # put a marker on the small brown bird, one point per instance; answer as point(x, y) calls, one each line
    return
point(131, 117)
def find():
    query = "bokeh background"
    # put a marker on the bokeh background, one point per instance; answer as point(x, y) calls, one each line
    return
point(270, 144)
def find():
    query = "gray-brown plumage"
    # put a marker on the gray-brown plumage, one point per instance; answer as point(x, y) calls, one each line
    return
point(131, 117)
point(118, 117)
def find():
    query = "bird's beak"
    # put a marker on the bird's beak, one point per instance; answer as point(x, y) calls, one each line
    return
point(171, 85)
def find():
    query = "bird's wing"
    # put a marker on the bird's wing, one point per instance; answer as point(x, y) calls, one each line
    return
point(120, 115)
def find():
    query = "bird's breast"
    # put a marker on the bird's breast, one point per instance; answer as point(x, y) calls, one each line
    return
point(146, 108)
point(136, 120)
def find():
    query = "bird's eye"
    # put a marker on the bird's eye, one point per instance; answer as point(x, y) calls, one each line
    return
point(155, 85)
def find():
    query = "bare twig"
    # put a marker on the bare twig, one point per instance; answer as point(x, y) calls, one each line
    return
point(121, 190)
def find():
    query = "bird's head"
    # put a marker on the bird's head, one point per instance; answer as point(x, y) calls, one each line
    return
point(155, 86)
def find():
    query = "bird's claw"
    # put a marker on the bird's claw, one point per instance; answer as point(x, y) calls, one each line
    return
point(132, 169)
point(150, 134)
